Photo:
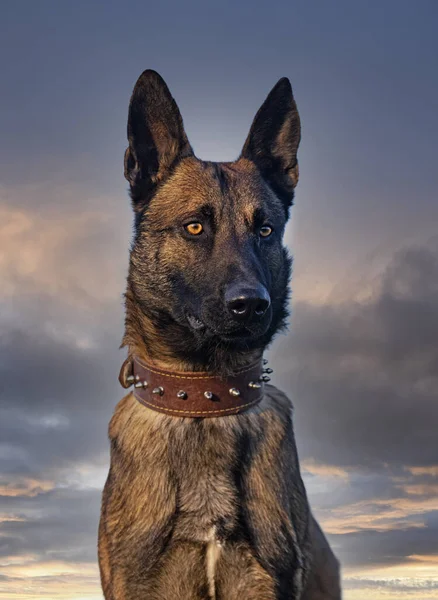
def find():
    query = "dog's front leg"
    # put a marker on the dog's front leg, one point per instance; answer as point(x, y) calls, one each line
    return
point(135, 526)
point(138, 506)
point(274, 501)
point(323, 582)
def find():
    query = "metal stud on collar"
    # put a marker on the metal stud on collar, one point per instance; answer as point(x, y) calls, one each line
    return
point(268, 370)
point(130, 379)
point(182, 395)
point(208, 395)
point(141, 384)
point(158, 390)
point(265, 378)
point(254, 385)
point(265, 361)
point(234, 392)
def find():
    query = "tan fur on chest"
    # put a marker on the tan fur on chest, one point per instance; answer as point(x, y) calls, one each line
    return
point(200, 458)
point(198, 484)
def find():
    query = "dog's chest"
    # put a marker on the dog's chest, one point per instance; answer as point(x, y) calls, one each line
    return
point(208, 494)
point(207, 511)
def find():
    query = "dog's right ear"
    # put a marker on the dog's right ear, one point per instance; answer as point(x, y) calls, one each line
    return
point(156, 135)
point(273, 141)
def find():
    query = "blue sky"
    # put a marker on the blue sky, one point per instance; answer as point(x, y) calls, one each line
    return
point(359, 360)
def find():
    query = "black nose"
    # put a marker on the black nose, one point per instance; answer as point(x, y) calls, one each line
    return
point(246, 303)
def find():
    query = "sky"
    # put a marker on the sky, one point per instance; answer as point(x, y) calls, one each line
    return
point(360, 359)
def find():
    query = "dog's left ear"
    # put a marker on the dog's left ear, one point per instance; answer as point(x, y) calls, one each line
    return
point(156, 135)
point(273, 141)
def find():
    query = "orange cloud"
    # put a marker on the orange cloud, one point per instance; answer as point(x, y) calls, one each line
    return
point(315, 468)
point(378, 515)
point(11, 519)
point(52, 252)
point(27, 578)
point(421, 489)
point(431, 471)
point(24, 486)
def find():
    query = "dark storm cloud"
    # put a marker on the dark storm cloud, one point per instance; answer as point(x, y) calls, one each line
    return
point(57, 525)
point(57, 401)
point(364, 378)
point(55, 411)
point(364, 374)
point(61, 321)
point(375, 517)
point(60, 327)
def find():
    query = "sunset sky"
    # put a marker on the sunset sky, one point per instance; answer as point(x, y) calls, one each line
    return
point(360, 360)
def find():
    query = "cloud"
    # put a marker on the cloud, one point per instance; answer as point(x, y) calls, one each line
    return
point(431, 471)
point(364, 374)
point(314, 468)
point(61, 325)
point(50, 580)
point(75, 254)
point(24, 486)
point(60, 524)
point(415, 578)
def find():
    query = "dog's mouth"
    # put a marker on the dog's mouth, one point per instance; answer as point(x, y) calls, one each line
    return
point(228, 335)
point(195, 323)
point(199, 326)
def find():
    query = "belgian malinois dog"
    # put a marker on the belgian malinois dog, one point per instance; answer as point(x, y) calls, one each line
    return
point(204, 497)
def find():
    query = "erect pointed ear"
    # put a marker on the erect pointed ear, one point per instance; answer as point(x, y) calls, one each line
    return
point(156, 135)
point(273, 141)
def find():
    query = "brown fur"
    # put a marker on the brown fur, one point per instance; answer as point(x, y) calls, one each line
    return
point(187, 188)
point(207, 508)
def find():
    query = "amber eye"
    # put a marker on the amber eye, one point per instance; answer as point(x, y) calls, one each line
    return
point(194, 228)
point(265, 231)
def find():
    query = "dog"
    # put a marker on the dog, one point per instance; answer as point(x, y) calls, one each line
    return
point(204, 497)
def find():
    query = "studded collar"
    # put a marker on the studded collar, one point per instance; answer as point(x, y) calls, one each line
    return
point(194, 394)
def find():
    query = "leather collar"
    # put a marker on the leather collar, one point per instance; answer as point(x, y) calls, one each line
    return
point(194, 394)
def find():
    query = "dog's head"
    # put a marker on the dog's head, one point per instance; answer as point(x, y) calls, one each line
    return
point(208, 267)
